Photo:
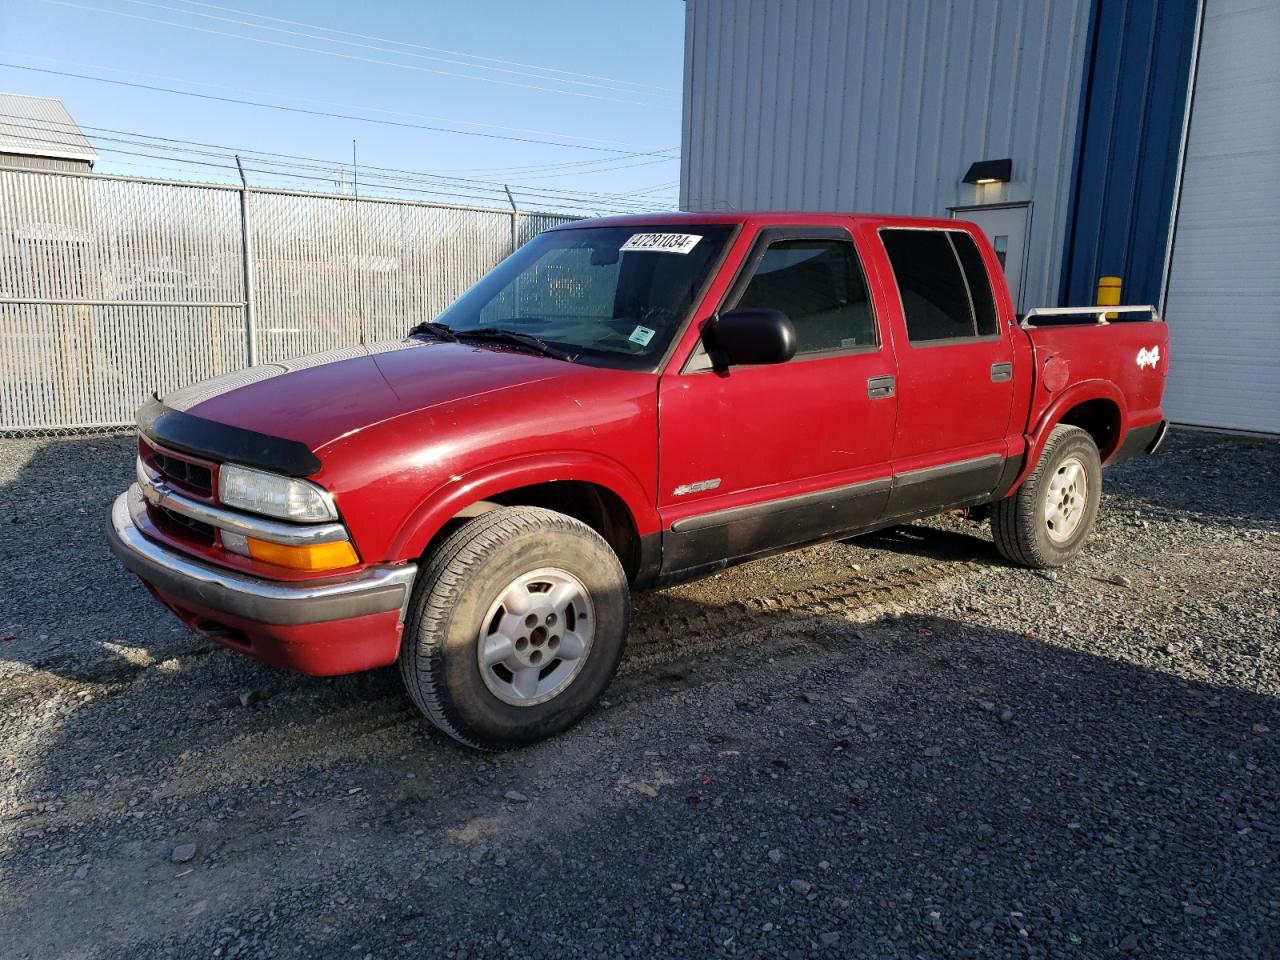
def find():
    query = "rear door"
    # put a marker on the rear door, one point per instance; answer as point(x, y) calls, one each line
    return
point(754, 458)
point(955, 371)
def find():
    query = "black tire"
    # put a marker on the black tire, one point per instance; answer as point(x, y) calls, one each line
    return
point(462, 580)
point(1020, 522)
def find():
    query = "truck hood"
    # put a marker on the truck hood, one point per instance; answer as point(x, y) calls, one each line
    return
point(321, 398)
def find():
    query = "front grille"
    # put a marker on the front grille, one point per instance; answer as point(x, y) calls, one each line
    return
point(187, 528)
point(186, 478)
point(183, 472)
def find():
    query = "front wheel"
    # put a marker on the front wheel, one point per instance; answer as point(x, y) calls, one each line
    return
point(515, 627)
point(1046, 521)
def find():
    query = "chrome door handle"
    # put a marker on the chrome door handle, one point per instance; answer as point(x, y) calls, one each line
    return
point(880, 387)
point(1001, 372)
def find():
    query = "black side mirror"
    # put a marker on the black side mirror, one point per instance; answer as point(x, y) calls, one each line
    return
point(752, 337)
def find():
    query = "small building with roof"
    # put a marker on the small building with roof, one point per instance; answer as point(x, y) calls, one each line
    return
point(38, 133)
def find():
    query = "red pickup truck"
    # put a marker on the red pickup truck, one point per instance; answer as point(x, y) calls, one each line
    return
point(624, 403)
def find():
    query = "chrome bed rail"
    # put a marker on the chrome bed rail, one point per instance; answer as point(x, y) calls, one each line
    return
point(1099, 313)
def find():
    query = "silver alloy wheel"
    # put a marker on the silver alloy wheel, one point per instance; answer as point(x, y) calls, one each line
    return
point(536, 637)
point(1066, 499)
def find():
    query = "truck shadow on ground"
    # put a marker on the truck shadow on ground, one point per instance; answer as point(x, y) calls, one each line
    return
point(931, 543)
point(1000, 781)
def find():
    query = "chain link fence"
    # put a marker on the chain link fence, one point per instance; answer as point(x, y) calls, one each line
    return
point(112, 288)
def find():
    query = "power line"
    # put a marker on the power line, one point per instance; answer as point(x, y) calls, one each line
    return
point(662, 155)
point(419, 46)
point(382, 43)
point(665, 185)
point(629, 166)
point(333, 53)
point(599, 165)
point(632, 149)
point(605, 165)
point(472, 190)
point(451, 194)
point(225, 151)
point(582, 166)
point(314, 113)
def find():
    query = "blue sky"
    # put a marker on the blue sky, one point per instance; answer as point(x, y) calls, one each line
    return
point(600, 80)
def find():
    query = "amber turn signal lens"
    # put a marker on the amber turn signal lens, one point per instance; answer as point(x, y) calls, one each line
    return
point(315, 556)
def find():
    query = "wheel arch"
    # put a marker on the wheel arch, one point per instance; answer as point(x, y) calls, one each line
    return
point(1095, 406)
point(596, 491)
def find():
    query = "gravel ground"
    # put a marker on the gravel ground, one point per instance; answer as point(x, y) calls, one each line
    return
point(894, 747)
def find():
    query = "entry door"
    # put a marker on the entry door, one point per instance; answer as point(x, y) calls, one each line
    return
point(755, 458)
point(1006, 228)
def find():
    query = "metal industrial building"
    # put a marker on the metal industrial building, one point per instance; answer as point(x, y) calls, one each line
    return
point(37, 133)
point(1143, 135)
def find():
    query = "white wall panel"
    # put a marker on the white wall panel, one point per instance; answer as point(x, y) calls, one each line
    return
point(1223, 304)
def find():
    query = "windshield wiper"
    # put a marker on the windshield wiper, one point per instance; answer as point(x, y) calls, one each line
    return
point(498, 335)
point(441, 331)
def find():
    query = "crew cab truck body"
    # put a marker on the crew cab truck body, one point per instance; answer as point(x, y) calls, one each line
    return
point(623, 403)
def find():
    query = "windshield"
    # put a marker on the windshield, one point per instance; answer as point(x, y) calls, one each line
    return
point(613, 295)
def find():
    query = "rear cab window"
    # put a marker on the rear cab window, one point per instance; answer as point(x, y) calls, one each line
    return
point(942, 283)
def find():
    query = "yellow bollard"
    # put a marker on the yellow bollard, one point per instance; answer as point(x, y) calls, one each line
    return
point(1109, 293)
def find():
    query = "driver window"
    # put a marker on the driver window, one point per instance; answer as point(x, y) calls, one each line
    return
point(819, 285)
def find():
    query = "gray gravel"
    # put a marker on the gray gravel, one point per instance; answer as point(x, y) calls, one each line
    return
point(896, 747)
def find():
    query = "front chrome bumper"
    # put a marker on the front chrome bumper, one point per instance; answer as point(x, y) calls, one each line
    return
point(374, 590)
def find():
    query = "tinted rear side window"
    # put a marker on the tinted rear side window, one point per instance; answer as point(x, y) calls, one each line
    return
point(975, 272)
point(935, 298)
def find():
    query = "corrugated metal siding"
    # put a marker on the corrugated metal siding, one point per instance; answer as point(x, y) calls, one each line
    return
point(43, 163)
point(1129, 148)
point(1224, 283)
point(881, 106)
point(41, 127)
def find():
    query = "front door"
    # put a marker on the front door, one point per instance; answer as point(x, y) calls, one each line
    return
point(757, 458)
point(1006, 228)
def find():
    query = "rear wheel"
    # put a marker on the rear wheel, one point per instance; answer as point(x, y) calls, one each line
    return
point(515, 627)
point(1046, 521)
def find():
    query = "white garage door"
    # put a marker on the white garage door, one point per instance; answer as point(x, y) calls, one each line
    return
point(1223, 304)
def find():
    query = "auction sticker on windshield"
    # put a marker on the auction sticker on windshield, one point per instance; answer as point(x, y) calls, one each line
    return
point(642, 336)
point(662, 242)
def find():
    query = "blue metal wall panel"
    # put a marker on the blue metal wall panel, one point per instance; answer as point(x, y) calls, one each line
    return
point(1134, 99)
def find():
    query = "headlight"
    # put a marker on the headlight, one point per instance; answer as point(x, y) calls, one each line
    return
point(273, 495)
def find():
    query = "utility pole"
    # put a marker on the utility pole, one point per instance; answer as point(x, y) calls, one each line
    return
point(515, 220)
point(246, 247)
point(359, 257)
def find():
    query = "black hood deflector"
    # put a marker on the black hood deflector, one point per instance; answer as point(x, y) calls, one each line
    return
point(219, 441)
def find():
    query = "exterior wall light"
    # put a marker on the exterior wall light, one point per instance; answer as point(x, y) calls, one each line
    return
point(990, 171)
